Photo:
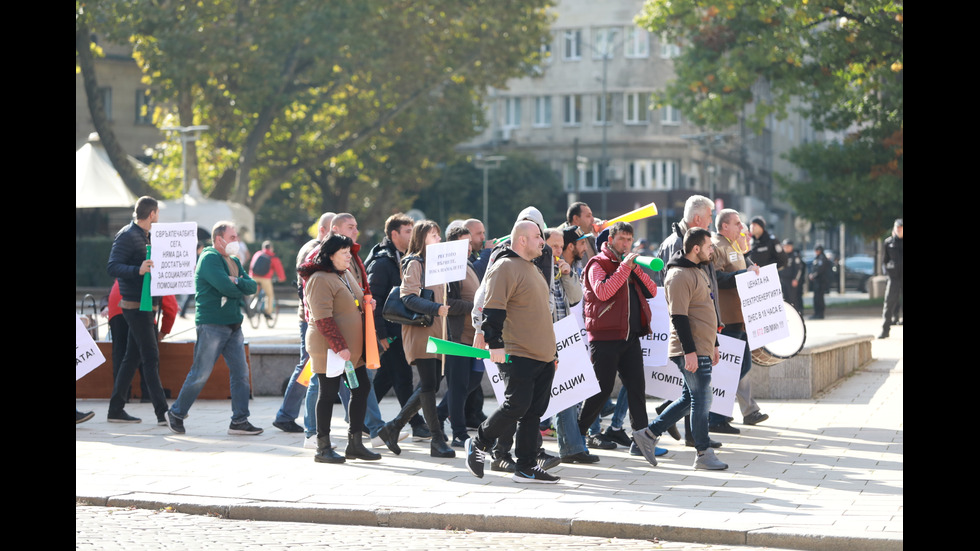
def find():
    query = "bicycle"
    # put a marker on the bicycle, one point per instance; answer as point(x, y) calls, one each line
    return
point(255, 310)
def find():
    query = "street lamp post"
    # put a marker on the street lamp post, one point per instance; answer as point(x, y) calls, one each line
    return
point(187, 134)
point(487, 164)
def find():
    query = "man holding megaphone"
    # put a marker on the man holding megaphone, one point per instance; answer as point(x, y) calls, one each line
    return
point(616, 316)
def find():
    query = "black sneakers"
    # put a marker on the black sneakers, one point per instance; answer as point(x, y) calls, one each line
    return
point(288, 426)
point(176, 424)
point(475, 458)
point(534, 475)
point(81, 417)
point(618, 436)
point(504, 464)
point(546, 461)
point(122, 417)
point(243, 428)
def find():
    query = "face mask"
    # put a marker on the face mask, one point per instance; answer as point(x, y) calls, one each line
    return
point(231, 248)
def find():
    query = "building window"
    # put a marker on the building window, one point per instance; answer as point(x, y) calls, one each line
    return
point(668, 50)
point(105, 95)
point(589, 176)
point(652, 174)
point(572, 110)
point(637, 42)
point(144, 107)
point(512, 112)
point(670, 116)
point(542, 111)
point(573, 44)
point(603, 41)
point(603, 108)
point(635, 107)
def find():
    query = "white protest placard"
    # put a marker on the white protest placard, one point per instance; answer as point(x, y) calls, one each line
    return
point(574, 379)
point(762, 306)
point(666, 381)
point(174, 256)
point(655, 344)
point(87, 353)
point(445, 262)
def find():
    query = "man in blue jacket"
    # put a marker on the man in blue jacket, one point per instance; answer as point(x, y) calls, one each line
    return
point(222, 283)
point(128, 263)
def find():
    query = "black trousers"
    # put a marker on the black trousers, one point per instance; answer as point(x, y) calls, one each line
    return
point(527, 392)
point(608, 358)
point(328, 395)
point(142, 347)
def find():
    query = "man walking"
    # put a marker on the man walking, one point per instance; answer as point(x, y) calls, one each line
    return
point(693, 347)
point(729, 261)
point(383, 268)
point(616, 316)
point(518, 324)
point(296, 393)
point(893, 265)
point(128, 263)
point(221, 284)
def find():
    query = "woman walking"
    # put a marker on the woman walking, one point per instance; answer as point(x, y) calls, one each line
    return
point(335, 303)
point(415, 338)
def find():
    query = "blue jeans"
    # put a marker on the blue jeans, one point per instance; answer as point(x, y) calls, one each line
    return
point(622, 406)
point(372, 419)
point(570, 442)
point(295, 392)
point(696, 399)
point(309, 416)
point(212, 341)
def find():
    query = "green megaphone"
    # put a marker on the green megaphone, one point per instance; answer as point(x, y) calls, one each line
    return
point(439, 346)
point(146, 301)
point(651, 262)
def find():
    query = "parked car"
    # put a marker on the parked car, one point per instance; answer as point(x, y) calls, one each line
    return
point(858, 269)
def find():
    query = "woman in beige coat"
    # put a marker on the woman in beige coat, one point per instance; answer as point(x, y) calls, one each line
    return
point(416, 337)
point(335, 306)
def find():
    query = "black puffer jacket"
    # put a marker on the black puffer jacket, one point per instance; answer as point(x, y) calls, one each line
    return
point(127, 254)
point(383, 273)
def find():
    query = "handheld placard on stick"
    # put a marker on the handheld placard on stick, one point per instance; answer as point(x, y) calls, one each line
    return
point(439, 346)
point(146, 301)
point(651, 262)
point(371, 355)
point(642, 212)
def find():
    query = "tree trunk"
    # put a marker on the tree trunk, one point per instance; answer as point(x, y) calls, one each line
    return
point(117, 155)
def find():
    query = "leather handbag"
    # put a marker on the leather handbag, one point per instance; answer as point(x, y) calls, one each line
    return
point(395, 310)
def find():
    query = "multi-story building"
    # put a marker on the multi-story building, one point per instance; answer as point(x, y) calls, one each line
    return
point(588, 113)
point(126, 100)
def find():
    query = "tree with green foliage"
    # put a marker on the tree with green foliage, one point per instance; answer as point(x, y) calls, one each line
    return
point(840, 62)
point(520, 181)
point(351, 102)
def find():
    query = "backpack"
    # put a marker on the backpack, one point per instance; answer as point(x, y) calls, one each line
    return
point(262, 265)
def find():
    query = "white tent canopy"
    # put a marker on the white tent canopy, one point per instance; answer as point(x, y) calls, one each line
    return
point(97, 183)
point(194, 207)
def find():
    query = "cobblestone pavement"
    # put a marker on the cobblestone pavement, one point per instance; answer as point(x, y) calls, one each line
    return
point(111, 528)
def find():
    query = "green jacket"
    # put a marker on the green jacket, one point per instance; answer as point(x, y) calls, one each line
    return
point(211, 279)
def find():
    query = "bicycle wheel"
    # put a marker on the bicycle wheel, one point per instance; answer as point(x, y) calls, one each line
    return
point(253, 310)
point(271, 321)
